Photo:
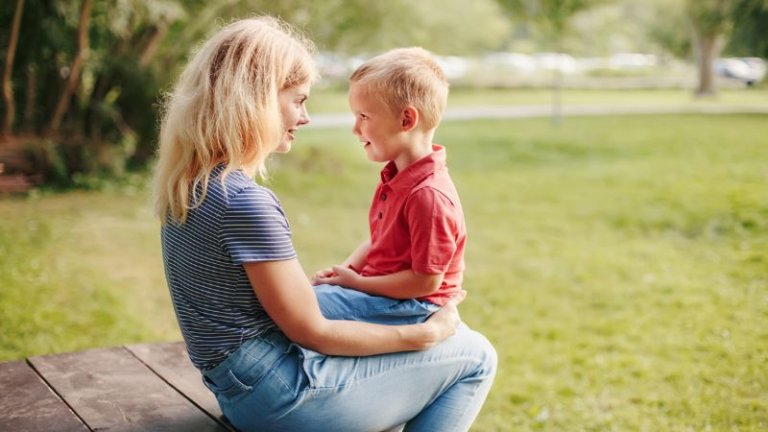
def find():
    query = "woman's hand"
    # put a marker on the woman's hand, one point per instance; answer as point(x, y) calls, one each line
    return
point(447, 319)
point(284, 291)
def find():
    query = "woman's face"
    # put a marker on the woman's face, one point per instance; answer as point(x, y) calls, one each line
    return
point(293, 111)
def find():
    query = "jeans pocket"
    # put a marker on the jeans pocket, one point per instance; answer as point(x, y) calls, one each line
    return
point(309, 363)
point(236, 382)
point(228, 386)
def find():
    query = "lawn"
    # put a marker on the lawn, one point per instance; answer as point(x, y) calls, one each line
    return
point(618, 264)
point(325, 100)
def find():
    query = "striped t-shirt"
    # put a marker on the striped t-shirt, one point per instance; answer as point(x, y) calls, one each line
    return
point(215, 305)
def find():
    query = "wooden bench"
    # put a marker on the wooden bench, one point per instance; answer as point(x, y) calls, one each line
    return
point(147, 387)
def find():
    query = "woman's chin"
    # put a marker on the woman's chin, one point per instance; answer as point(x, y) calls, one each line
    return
point(284, 147)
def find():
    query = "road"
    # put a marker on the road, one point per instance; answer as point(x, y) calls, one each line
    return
point(333, 120)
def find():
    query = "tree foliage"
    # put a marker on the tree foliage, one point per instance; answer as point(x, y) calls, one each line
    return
point(750, 32)
point(86, 78)
point(553, 16)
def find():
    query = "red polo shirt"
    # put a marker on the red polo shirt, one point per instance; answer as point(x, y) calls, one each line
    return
point(417, 223)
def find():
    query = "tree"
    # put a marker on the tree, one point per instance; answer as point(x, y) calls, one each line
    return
point(10, 105)
point(706, 28)
point(711, 22)
point(90, 83)
point(74, 71)
point(553, 17)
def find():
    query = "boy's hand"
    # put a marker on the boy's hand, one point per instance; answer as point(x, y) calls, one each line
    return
point(322, 275)
point(337, 275)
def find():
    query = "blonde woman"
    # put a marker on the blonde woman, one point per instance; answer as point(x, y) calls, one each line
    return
point(246, 309)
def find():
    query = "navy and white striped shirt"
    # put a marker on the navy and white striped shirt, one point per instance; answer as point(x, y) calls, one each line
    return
point(215, 304)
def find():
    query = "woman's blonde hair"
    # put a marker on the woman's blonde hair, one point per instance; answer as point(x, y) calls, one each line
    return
point(224, 109)
point(406, 76)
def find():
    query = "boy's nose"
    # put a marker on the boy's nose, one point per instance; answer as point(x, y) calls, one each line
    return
point(356, 128)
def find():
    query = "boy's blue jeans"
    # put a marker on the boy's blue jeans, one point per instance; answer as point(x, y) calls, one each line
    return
point(347, 304)
point(271, 384)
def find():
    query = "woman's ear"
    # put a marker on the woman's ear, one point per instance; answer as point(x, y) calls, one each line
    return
point(410, 118)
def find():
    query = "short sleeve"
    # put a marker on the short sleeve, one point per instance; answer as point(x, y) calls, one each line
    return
point(254, 228)
point(433, 224)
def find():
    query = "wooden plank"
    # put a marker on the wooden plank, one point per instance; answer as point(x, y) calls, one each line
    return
point(171, 362)
point(112, 390)
point(28, 404)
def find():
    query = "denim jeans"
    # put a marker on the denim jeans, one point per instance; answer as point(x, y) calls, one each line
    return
point(271, 384)
point(347, 304)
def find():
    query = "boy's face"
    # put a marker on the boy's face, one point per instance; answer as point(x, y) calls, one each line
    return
point(376, 126)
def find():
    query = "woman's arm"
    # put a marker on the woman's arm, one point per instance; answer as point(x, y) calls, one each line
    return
point(284, 291)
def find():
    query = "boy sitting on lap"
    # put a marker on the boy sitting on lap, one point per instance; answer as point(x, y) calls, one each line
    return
point(414, 260)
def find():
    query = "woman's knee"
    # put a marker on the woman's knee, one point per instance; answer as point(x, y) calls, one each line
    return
point(490, 359)
point(484, 356)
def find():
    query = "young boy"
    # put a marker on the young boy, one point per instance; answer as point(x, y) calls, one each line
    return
point(414, 260)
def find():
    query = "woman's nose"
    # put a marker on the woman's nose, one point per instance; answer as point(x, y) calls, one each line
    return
point(304, 118)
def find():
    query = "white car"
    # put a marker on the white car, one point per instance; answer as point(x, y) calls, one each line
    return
point(750, 70)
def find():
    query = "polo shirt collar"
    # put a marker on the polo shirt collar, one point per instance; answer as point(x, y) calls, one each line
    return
point(414, 173)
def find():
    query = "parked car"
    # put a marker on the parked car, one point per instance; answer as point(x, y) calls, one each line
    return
point(750, 70)
point(511, 61)
point(565, 63)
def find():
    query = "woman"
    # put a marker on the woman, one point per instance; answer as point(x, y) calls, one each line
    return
point(245, 306)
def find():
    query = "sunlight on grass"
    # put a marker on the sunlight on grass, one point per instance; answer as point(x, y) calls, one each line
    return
point(618, 264)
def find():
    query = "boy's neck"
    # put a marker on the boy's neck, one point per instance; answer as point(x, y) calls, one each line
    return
point(419, 147)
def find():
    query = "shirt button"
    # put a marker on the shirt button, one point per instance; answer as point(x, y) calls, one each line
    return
point(380, 215)
point(383, 197)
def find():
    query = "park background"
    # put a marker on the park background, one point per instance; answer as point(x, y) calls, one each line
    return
point(611, 155)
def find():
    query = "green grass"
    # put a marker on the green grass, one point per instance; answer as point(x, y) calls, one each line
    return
point(335, 100)
point(618, 264)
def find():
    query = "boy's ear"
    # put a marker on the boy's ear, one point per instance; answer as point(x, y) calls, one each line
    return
point(409, 118)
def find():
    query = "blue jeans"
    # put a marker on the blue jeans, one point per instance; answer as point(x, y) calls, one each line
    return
point(271, 384)
point(340, 303)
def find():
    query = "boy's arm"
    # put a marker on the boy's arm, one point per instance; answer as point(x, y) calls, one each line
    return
point(358, 257)
point(405, 284)
point(356, 261)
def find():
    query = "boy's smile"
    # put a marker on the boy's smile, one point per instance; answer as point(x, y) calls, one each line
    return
point(375, 125)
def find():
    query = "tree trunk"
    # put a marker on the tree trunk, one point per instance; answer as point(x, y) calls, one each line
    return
point(708, 47)
point(154, 43)
point(77, 64)
point(557, 85)
point(29, 106)
point(10, 105)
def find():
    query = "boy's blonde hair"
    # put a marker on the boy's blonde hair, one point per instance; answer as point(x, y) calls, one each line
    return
point(406, 76)
point(224, 109)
